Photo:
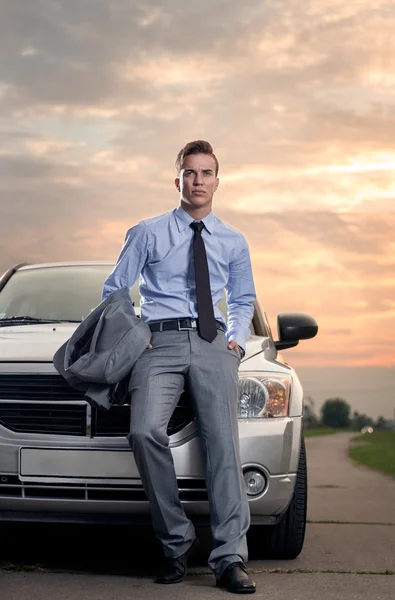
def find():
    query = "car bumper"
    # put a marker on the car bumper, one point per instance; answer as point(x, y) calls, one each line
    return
point(61, 478)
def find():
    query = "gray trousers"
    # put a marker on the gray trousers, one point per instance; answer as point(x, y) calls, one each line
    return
point(158, 378)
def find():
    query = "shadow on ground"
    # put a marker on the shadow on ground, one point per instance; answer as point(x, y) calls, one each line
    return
point(117, 549)
point(97, 549)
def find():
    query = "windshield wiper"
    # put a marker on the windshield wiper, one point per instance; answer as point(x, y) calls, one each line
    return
point(27, 319)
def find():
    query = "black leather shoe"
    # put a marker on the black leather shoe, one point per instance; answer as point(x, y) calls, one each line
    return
point(174, 569)
point(236, 579)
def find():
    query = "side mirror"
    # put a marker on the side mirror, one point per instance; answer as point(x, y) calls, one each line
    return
point(293, 327)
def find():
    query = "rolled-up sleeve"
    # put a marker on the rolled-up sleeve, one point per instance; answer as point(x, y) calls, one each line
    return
point(130, 261)
point(241, 295)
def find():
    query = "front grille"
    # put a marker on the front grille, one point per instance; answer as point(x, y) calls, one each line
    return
point(37, 387)
point(190, 490)
point(116, 421)
point(43, 417)
point(48, 405)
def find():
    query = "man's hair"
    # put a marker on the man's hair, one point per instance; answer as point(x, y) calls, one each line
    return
point(196, 147)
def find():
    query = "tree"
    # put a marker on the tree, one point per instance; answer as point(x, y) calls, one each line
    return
point(335, 413)
point(359, 421)
point(381, 423)
point(309, 416)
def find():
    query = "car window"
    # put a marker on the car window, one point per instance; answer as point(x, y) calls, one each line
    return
point(69, 292)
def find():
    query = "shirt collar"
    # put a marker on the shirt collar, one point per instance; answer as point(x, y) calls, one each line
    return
point(183, 219)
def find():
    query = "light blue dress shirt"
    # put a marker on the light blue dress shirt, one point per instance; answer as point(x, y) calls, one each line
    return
point(159, 251)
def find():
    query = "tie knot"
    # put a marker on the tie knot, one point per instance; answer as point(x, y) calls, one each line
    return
point(197, 226)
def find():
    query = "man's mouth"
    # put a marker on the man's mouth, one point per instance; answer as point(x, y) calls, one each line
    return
point(198, 192)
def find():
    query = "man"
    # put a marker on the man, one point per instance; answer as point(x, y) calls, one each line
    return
point(191, 346)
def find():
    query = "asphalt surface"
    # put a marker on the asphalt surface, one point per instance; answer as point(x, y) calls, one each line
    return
point(349, 551)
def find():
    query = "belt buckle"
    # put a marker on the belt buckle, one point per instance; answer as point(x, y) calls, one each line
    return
point(193, 325)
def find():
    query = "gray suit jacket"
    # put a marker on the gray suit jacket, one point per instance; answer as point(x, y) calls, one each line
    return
point(99, 356)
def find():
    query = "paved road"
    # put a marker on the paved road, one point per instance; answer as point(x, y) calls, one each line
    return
point(350, 544)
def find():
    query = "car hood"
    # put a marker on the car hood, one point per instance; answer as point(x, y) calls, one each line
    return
point(33, 342)
point(39, 342)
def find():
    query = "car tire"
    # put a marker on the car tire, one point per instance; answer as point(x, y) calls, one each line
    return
point(285, 539)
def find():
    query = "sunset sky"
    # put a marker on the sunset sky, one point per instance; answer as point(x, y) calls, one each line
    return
point(298, 101)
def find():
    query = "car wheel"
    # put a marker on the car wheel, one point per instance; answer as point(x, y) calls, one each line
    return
point(285, 540)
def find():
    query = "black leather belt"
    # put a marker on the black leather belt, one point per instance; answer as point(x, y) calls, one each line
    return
point(185, 324)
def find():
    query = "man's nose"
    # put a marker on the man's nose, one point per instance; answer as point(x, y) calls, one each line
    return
point(198, 179)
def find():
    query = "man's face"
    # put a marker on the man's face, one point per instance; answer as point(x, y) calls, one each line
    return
point(197, 181)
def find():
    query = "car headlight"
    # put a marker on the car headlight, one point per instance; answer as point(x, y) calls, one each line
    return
point(263, 395)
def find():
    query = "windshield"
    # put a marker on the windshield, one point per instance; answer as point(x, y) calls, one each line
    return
point(66, 293)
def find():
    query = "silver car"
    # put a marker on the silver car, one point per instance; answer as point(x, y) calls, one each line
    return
point(62, 459)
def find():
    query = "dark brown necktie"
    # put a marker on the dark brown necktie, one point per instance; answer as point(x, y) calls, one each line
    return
point(206, 320)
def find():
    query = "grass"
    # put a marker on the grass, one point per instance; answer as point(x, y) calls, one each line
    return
point(332, 571)
point(378, 451)
point(314, 431)
point(21, 567)
point(375, 523)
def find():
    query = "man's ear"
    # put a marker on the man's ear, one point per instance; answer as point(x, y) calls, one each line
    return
point(177, 183)
point(216, 184)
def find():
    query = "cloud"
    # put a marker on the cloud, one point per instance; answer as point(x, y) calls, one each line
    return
point(337, 267)
point(112, 54)
point(97, 98)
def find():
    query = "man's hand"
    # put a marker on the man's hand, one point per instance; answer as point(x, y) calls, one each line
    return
point(149, 346)
point(234, 344)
